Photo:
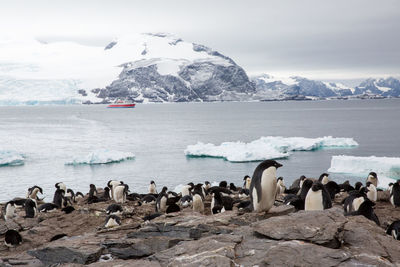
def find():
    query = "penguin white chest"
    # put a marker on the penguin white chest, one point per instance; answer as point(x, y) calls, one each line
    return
point(10, 211)
point(372, 194)
point(185, 191)
point(268, 191)
point(152, 189)
point(198, 203)
point(314, 200)
point(163, 204)
point(325, 180)
point(357, 203)
point(111, 223)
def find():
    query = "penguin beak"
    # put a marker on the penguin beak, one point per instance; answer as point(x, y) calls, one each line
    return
point(278, 165)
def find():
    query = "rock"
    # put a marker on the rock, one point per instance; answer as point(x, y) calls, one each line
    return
point(126, 263)
point(138, 248)
point(318, 227)
point(299, 253)
point(81, 249)
point(369, 243)
point(216, 250)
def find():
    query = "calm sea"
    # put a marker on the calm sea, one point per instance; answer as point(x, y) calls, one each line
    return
point(157, 134)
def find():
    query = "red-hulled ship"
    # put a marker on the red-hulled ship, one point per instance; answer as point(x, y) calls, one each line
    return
point(122, 104)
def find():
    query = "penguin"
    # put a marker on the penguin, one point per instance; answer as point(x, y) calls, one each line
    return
point(223, 184)
point(106, 193)
point(114, 209)
point(172, 208)
point(70, 195)
point(217, 209)
point(61, 185)
point(58, 198)
point(358, 186)
point(120, 192)
point(332, 188)
point(12, 238)
point(346, 187)
point(174, 197)
point(317, 198)
point(79, 195)
point(30, 208)
point(48, 207)
point(92, 194)
point(33, 191)
point(148, 199)
point(112, 221)
point(323, 178)
point(243, 204)
point(198, 197)
point(298, 201)
point(372, 194)
point(207, 185)
point(354, 200)
point(132, 196)
point(19, 202)
point(186, 189)
point(232, 187)
point(68, 209)
point(244, 193)
point(301, 180)
point(152, 188)
point(390, 187)
point(366, 209)
point(247, 182)
point(280, 186)
point(186, 201)
point(296, 183)
point(394, 230)
point(395, 195)
point(373, 178)
point(219, 200)
point(151, 216)
point(263, 185)
point(9, 210)
point(112, 184)
point(161, 202)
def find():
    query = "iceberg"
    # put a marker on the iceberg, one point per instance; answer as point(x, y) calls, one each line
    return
point(11, 158)
point(386, 166)
point(268, 147)
point(101, 157)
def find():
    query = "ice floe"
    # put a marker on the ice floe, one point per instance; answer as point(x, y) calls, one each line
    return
point(11, 158)
point(268, 147)
point(102, 157)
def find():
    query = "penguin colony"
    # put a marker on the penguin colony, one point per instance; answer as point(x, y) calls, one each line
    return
point(259, 193)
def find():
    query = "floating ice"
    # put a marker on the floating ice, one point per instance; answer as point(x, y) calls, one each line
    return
point(102, 157)
point(269, 147)
point(11, 158)
point(387, 168)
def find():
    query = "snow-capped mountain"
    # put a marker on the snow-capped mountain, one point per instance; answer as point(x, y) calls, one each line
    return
point(270, 87)
point(143, 67)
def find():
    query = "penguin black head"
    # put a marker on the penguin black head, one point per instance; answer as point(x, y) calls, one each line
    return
point(152, 182)
point(269, 163)
point(358, 185)
point(207, 183)
point(373, 174)
point(71, 192)
point(322, 176)
point(302, 178)
point(223, 184)
point(10, 203)
point(164, 189)
point(390, 184)
point(279, 178)
point(232, 187)
point(317, 186)
point(244, 179)
point(368, 184)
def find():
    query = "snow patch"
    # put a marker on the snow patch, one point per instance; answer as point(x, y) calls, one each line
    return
point(102, 157)
point(387, 168)
point(11, 158)
point(269, 147)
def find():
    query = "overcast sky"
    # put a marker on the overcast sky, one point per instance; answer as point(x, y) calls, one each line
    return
point(340, 39)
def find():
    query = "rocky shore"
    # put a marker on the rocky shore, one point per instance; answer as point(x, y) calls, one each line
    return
point(281, 237)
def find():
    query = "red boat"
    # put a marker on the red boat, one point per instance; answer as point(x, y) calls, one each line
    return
point(121, 104)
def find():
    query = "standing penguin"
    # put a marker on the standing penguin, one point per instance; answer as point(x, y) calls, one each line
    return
point(161, 203)
point(61, 185)
point(280, 187)
point(263, 185)
point(33, 191)
point(207, 185)
point(12, 238)
point(395, 195)
point(317, 198)
point(70, 195)
point(30, 208)
point(58, 198)
point(120, 192)
point(9, 210)
point(114, 209)
point(373, 178)
point(198, 198)
point(112, 184)
point(152, 188)
point(247, 182)
point(372, 194)
point(323, 178)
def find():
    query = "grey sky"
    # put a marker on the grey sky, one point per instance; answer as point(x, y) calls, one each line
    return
point(342, 39)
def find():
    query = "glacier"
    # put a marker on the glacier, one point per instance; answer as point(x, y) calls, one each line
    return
point(11, 158)
point(101, 156)
point(387, 168)
point(268, 147)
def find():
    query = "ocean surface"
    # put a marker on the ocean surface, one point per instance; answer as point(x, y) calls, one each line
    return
point(158, 134)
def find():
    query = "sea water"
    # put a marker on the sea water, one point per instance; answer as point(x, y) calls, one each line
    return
point(148, 142)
